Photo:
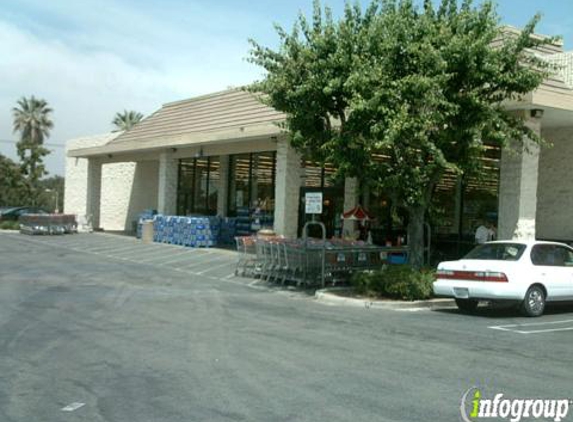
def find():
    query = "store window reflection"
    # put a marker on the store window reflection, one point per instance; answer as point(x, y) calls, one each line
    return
point(198, 184)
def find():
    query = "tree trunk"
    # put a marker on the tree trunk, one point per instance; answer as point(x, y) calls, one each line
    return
point(416, 236)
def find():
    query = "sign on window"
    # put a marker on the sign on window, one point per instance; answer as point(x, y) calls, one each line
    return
point(313, 202)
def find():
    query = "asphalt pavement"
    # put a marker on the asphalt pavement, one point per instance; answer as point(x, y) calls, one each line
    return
point(103, 328)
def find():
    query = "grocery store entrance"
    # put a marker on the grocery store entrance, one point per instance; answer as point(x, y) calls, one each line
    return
point(332, 208)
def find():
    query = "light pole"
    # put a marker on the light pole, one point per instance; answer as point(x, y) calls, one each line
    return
point(56, 210)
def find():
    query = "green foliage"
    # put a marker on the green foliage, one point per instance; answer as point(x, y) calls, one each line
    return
point(395, 282)
point(126, 120)
point(32, 120)
point(51, 189)
point(9, 225)
point(12, 188)
point(397, 95)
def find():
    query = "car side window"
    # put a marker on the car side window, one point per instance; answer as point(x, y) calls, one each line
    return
point(566, 257)
point(551, 255)
point(543, 255)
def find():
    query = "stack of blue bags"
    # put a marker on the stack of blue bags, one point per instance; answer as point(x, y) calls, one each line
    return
point(195, 232)
point(144, 216)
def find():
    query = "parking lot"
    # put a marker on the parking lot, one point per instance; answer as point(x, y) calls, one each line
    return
point(103, 328)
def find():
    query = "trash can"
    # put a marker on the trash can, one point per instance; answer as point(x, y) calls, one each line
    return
point(147, 231)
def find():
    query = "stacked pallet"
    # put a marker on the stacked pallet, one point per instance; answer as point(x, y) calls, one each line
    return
point(48, 224)
point(195, 232)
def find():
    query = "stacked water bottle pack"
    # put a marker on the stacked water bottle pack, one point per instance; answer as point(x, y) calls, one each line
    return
point(144, 216)
point(243, 221)
point(186, 231)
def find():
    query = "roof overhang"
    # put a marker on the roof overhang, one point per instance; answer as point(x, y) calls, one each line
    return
point(200, 139)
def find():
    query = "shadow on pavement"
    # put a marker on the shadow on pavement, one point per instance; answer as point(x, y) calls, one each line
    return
point(504, 311)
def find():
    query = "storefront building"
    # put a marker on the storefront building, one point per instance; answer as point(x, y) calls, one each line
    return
point(224, 154)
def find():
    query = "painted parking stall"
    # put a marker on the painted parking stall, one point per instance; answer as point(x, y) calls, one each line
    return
point(536, 327)
point(215, 264)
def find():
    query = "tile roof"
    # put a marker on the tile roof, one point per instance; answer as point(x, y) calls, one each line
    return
point(229, 109)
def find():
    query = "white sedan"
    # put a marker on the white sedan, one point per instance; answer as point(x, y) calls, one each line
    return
point(530, 273)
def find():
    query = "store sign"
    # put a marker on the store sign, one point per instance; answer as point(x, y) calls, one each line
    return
point(313, 202)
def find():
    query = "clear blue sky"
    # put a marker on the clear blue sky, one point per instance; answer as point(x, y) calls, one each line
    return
point(90, 59)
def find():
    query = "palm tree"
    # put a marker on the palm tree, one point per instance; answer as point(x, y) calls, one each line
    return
point(33, 121)
point(126, 120)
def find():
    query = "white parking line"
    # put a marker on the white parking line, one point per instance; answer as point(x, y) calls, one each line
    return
point(137, 251)
point(522, 328)
point(178, 254)
point(226, 264)
point(210, 259)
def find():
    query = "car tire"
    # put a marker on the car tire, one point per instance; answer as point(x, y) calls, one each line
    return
point(534, 302)
point(467, 305)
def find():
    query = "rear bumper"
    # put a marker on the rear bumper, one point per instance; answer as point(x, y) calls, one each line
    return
point(477, 290)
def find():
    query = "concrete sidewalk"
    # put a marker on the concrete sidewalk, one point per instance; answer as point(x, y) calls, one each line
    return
point(339, 296)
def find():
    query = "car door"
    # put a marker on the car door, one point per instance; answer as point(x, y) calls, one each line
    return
point(554, 268)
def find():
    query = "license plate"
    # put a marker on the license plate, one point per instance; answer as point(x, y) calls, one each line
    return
point(461, 292)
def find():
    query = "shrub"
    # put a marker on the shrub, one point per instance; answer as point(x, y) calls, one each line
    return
point(9, 225)
point(395, 282)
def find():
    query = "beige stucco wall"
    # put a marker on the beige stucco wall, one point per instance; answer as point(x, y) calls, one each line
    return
point(555, 187)
point(127, 188)
point(75, 191)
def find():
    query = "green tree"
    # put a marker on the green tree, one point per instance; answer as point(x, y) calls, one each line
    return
point(33, 121)
point(398, 95)
point(52, 197)
point(12, 188)
point(126, 120)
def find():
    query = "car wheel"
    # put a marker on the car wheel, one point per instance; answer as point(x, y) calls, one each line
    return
point(467, 305)
point(534, 302)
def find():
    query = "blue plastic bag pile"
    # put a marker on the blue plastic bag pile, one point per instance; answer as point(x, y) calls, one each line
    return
point(187, 231)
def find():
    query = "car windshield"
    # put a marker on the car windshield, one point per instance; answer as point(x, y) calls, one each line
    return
point(497, 251)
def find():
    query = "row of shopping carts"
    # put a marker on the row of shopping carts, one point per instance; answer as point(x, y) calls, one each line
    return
point(310, 262)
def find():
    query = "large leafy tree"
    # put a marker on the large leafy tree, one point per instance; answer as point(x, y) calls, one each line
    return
point(126, 120)
point(398, 95)
point(12, 188)
point(32, 120)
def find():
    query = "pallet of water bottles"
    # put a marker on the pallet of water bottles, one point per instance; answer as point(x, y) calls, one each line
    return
point(196, 232)
point(48, 224)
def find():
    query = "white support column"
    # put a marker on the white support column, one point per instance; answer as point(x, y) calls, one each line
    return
point(351, 199)
point(167, 191)
point(518, 188)
point(93, 194)
point(223, 188)
point(287, 189)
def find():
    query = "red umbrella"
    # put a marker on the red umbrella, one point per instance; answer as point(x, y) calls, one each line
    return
point(358, 213)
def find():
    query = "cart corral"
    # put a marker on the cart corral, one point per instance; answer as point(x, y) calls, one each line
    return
point(301, 261)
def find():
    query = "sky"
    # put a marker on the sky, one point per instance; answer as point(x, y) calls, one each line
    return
point(90, 59)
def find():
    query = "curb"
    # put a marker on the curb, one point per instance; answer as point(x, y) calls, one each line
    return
point(9, 231)
point(329, 297)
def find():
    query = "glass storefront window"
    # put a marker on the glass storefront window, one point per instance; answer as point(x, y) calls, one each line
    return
point(252, 182)
point(198, 184)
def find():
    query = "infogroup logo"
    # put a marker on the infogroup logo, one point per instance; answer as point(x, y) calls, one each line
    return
point(474, 407)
